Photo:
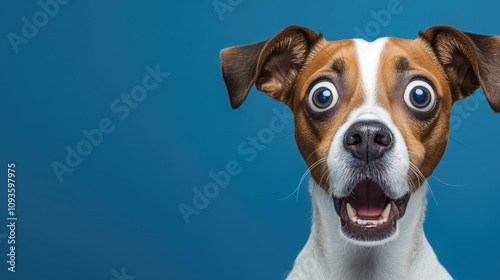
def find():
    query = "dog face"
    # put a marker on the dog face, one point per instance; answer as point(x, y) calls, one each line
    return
point(371, 119)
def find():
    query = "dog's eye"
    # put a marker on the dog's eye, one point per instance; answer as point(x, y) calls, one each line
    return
point(419, 96)
point(323, 96)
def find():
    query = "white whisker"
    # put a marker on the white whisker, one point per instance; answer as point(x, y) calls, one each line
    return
point(421, 177)
point(447, 184)
point(296, 190)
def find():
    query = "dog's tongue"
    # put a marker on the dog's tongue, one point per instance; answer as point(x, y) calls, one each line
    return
point(368, 199)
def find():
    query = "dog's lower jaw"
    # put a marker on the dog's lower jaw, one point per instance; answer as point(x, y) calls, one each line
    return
point(329, 255)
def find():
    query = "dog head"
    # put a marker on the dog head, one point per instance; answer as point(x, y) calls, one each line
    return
point(371, 119)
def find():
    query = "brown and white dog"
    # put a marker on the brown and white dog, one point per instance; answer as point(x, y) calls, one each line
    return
point(372, 122)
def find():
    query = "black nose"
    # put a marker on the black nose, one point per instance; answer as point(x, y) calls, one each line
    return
point(368, 141)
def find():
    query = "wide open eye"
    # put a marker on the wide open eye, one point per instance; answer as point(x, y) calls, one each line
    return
point(420, 96)
point(323, 96)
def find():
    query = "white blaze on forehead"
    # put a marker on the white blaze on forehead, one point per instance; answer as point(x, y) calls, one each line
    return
point(396, 161)
point(369, 55)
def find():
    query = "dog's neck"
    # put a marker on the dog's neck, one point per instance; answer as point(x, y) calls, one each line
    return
point(328, 255)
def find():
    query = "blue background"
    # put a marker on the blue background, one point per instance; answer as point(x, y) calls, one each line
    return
point(119, 207)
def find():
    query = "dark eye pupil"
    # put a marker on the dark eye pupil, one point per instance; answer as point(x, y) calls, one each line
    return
point(420, 97)
point(323, 98)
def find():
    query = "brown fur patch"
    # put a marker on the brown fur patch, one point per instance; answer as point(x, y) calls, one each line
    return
point(335, 61)
point(470, 61)
point(425, 137)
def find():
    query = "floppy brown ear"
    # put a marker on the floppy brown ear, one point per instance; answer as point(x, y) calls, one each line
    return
point(470, 61)
point(272, 65)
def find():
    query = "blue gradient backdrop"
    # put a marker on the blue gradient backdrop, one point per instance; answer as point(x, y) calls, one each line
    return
point(119, 207)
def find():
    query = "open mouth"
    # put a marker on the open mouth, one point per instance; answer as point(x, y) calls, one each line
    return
point(368, 214)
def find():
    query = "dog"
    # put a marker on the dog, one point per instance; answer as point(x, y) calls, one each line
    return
point(372, 121)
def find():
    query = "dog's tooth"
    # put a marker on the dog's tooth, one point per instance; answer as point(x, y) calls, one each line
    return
point(351, 212)
point(386, 212)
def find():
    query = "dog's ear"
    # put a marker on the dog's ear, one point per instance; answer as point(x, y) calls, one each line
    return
point(470, 61)
point(272, 65)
